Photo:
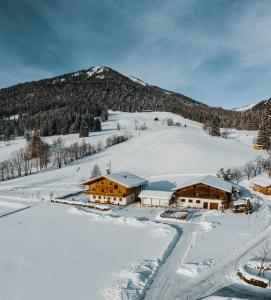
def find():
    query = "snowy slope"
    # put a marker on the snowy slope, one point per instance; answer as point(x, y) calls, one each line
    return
point(244, 108)
point(53, 239)
point(160, 153)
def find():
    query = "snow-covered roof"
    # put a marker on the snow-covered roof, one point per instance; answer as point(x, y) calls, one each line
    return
point(155, 194)
point(209, 180)
point(124, 178)
point(262, 181)
point(240, 202)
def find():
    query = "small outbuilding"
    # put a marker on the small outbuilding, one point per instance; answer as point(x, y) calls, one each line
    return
point(262, 185)
point(258, 147)
point(156, 198)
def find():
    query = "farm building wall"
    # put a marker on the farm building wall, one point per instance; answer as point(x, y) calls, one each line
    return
point(204, 191)
point(201, 203)
point(261, 189)
point(148, 201)
point(104, 190)
point(202, 196)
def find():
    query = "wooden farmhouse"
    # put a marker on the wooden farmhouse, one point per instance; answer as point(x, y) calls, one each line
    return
point(262, 185)
point(156, 198)
point(117, 188)
point(208, 192)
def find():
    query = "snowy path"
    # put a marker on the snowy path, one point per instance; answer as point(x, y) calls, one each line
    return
point(170, 285)
point(167, 271)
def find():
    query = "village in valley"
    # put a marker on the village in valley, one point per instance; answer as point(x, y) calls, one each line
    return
point(170, 212)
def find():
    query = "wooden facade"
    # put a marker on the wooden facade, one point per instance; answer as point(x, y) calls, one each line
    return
point(201, 195)
point(261, 189)
point(105, 190)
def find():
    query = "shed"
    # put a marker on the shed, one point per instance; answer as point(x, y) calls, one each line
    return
point(156, 198)
point(262, 184)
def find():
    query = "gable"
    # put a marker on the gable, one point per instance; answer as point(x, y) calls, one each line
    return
point(103, 180)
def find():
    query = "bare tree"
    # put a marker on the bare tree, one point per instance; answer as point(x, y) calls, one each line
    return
point(259, 163)
point(17, 161)
point(248, 169)
point(58, 152)
point(237, 174)
point(27, 162)
point(267, 166)
point(265, 254)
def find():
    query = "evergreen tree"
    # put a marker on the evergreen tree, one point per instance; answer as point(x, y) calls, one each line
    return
point(215, 130)
point(96, 171)
point(97, 126)
point(264, 133)
point(83, 132)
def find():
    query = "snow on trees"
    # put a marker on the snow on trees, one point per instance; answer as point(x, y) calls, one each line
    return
point(248, 169)
point(58, 152)
point(97, 124)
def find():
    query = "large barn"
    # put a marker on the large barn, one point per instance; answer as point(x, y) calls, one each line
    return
point(117, 188)
point(207, 192)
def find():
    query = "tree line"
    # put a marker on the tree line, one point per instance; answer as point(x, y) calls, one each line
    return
point(249, 170)
point(37, 155)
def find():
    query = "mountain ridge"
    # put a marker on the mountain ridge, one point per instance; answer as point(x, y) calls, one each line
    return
point(59, 105)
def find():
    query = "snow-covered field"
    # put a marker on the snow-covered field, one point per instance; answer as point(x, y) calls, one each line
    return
point(52, 251)
point(69, 253)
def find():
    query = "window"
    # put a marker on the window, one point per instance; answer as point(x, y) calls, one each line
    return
point(102, 190)
point(94, 197)
point(120, 198)
point(114, 198)
point(190, 201)
point(198, 201)
point(217, 196)
point(93, 189)
point(111, 191)
point(108, 198)
point(115, 186)
point(99, 197)
point(183, 200)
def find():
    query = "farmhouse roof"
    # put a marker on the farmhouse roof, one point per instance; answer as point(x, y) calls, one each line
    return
point(164, 195)
point(210, 180)
point(262, 181)
point(127, 179)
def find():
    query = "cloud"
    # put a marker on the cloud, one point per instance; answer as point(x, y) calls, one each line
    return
point(216, 51)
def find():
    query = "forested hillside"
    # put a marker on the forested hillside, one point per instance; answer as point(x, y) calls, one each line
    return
point(65, 103)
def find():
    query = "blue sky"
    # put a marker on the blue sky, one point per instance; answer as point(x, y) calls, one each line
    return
point(215, 51)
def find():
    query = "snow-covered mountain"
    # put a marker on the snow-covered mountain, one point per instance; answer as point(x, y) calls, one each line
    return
point(244, 108)
point(41, 104)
